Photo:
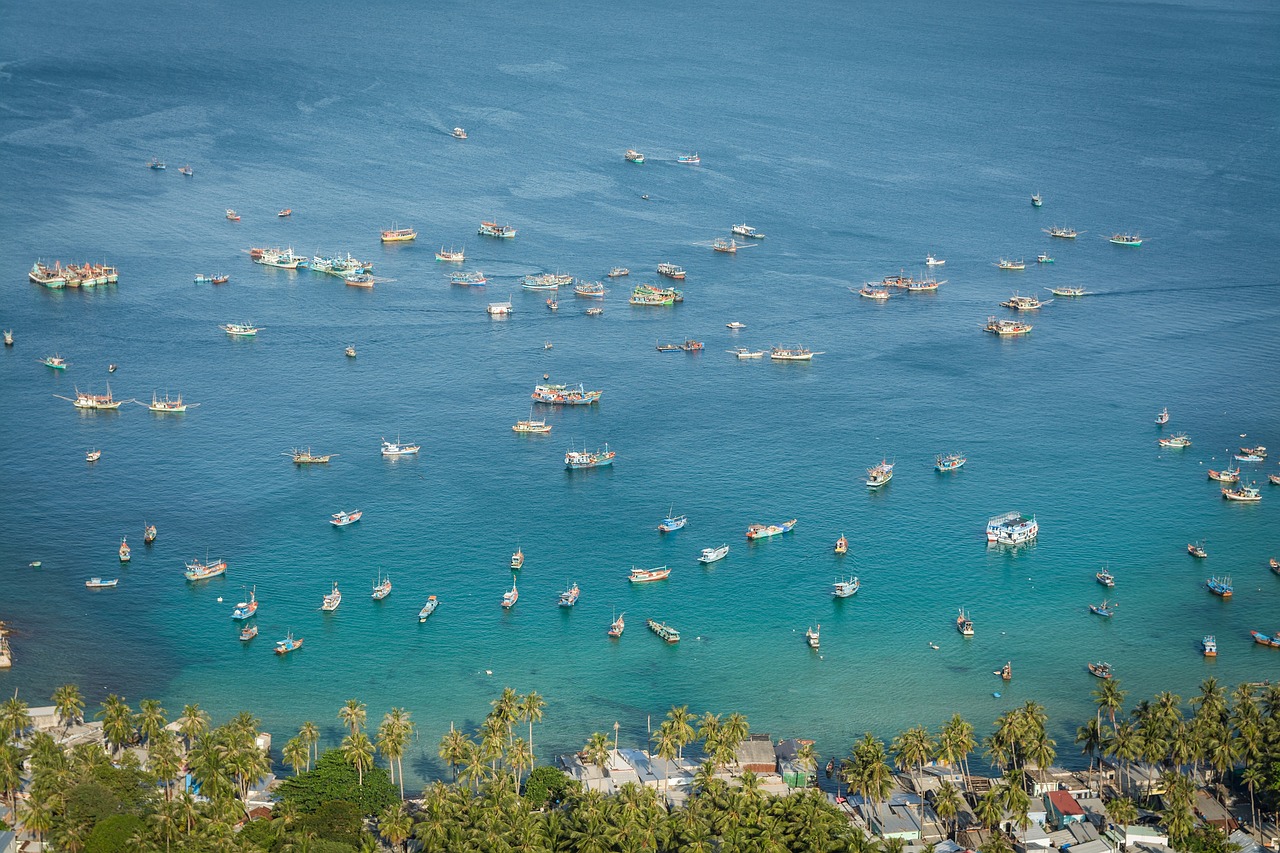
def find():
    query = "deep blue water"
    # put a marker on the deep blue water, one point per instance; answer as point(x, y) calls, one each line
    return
point(859, 137)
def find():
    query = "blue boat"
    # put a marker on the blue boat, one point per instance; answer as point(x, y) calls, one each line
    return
point(672, 523)
point(1101, 609)
point(1219, 586)
point(245, 609)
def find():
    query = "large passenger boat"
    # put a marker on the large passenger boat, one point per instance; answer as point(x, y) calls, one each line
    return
point(565, 395)
point(671, 271)
point(399, 235)
point(1012, 528)
point(663, 630)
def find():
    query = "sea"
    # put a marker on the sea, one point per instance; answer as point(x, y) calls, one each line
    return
point(859, 137)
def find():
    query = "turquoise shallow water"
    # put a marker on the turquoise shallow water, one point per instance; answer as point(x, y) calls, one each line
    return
point(857, 145)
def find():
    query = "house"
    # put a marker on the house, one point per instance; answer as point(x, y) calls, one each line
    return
point(756, 754)
point(1062, 808)
point(1143, 836)
point(1213, 813)
point(8, 842)
point(892, 821)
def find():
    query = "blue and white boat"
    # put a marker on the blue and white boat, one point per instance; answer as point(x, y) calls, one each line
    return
point(1012, 528)
point(672, 522)
point(951, 462)
point(428, 609)
point(1104, 609)
point(101, 583)
point(245, 609)
point(844, 589)
point(711, 555)
point(1219, 586)
point(569, 597)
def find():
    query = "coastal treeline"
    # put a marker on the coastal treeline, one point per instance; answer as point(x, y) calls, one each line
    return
point(145, 783)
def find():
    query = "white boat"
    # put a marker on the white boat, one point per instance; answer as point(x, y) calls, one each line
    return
point(796, 353)
point(381, 589)
point(240, 330)
point(931, 261)
point(879, 474)
point(428, 609)
point(1012, 528)
point(341, 518)
point(811, 637)
point(711, 555)
point(735, 325)
point(964, 624)
point(745, 230)
point(499, 309)
point(844, 589)
point(744, 352)
point(459, 133)
point(451, 256)
point(332, 600)
point(395, 448)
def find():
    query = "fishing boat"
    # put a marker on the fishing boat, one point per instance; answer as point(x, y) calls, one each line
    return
point(950, 462)
point(618, 272)
point(1209, 646)
point(517, 559)
point(1043, 258)
point(1275, 480)
point(511, 596)
point(1101, 669)
point(931, 261)
point(542, 281)
point(1023, 303)
point(288, 644)
point(1126, 239)
point(1248, 457)
point(8, 337)
point(1062, 232)
point(745, 230)
point(1006, 264)
point(167, 406)
point(565, 395)
point(1005, 672)
point(1247, 494)
point(240, 330)
point(531, 426)
point(569, 597)
point(765, 531)
point(796, 353)
point(306, 457)
point(1036, 200)
point(1069, 292)
point(870, 291)
point(964, 624)
point(589, 289)
point(728, 247)
point(156, 164)
point(245, 609)
point(341, 518)
point(846, 588)
point(842, 545)
point(451, 255)
point(493, 229)
point(1275, 565)
point(1006, 328)
point(1012, 528)
point(689, 159)
point(459, 133)
point(1104, 609)
point(399, 235)
point(287, 260)
point(672, 523)
point(666, 632)
point(186, 170)
point(124, 550)
point(428, 609)
point(57, 362)
point(633, 156)
point(1226, 475)
point(554, 305)
point(359, 279)
point(232, 215)
point(641, 296)
point(198, 571)
point(1219, 586)
point(690, 345)
point(879, 474)
point(288, 211)
point(1106, 578)
point(671, 271)
point(331, 600)
point(1177, 440)
point(811, 636)
point(381, 589)
point(1163, 417)
point(350, 351)
point(1263, 640)
point(211, 279)
point(101, 583)
point(735, 326)
point(395, 448)
point(746, 352)
point(1260, 452)
point(92, 455)
point(660, 573)
point(468, 279)
point(149, 534)
point(248, 632)
point(575, 460)
point(617, 627)
point(712, 555)
point(94, 402)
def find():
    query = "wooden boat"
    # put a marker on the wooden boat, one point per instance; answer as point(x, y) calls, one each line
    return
point(149, 534)
point(1101, 669)
point(341, 518)
point(531, 426)
point(1036, 200)
point(745, 230)
point(633, 156)
point(493, 229)
point(1006, 264)
point(57, 362)
point(498, 309)
point(1177, 440)
point(663, 630)
point(735, 326)
point(475, 278)
point(1104, 609)
point(1007, 328)
point(576, 460)
point(1043, 258)
point(510, 597)
point(870, 291)
point(1259, 452)
point(1063, 232)
point(232, 215)
point(1226, 475)
point(155, 163)
point(459, 133)
point(689, 159)
point(8, 337)
point(288, 644)
point(1195, 549)
point(198, 571)
point(167, 406)
point(94, 402)
point(101, 583)
point(517, 559)
point(745, 352)
point(1163, 417)
point(1005, 672)
point(845, 589)
point(1023, 303)
point(1220, 586)
point(618, 626)
point(350, 351)
point(569, 597)
point(690, 345)
point(671, 271)
point(92, 455)
point(659, 573)
point(1263, 640)
point(1209, 646)
point(766, 531)
point(951, 462)
point(728, 247)
point(395, 448)
point(186, 170)
point(931, 261)
point(399, 235)
point(565, 395)
point(1275, 565)
point(811, 636)
point(240, 330)
point(124, 550)
point(427, 609)
point(245, 609)
point(1126, 239)
point(1070, 292)
point(331, 600)
point(594, 312)
point(618, 272)
point(359, 279)
point(554, 305)
point(672, 522)
point(248, 632)
point(1105, 578)
point(796, 353)
point(381, 589)
point(306, 457)
point(288, 211)
point(842, 545)
point(1247, 494)
point(1275, 480)
point(964, 624)
point(451, 255)
point(712, 555)
point(879, 474)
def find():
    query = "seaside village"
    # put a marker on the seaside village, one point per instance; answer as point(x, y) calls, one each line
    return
point(895, 798)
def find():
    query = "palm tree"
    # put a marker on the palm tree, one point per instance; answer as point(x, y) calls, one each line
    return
point(1091, 737)
point(1251, 776)
point(69, 705)
point(309, 734)
point(454, 749)
point(193, 723)
point(519, 759)
point(117, 722)
point(392, 736)
point(35, 814)
point(681, 727)
point(735, 729)
point(911, 750)
point(531, 712)
point(475, 768)
point(395, 824)
point(506, 709)
point(10, 772)
point(353, 715)
point(151, 719)
point(1109, 698)
point(955, 742)
point(357, 750)
point(296, 754)
point(807, 758)
point(162, 760)
point(1122, 811)
point(668, 747)
point(709, 733)
point(14, 718)
point(597, 749)
point(946, 803)
point(989, 810)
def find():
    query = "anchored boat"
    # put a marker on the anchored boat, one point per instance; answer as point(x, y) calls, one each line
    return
point(332, 600)
point(711, 555)
point(879, 474)
point(964, 624)
point(427, 609)
point(198, 571)
point(765, 531)
point(245, 609)
point(844, 589)
point(660, 573)
point(1012, 528)
point(951, 462)
point(666, 632)
point(575, 460)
